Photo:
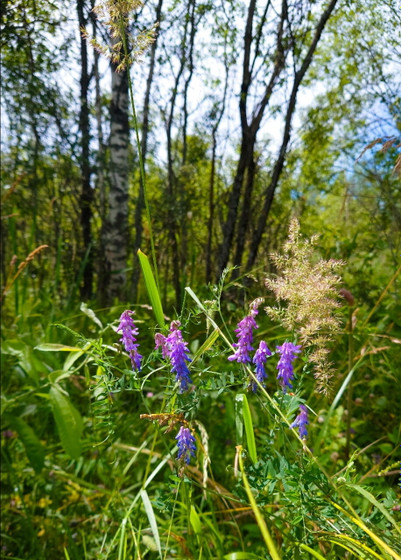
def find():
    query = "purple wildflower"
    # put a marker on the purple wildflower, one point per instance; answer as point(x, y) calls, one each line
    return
point(287, 353)
point(176, 349)
point(161, 342)
point(129, 331)
point(301, 421)
point(186, 444)
point(245, 338)
point(259, 360)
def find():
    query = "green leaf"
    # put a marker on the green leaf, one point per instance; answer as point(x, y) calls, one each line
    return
point(69, 422)
point(34, 449)
point(209, 342)
point(152, 519)
point(91, 314)
point(249, 431)
point(151, 288)
point(49, 347)
point(26, 358)
point(71, 359)
point(195, 520)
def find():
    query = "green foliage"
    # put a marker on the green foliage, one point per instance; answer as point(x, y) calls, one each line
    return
point(125, 478)
point(89, 451)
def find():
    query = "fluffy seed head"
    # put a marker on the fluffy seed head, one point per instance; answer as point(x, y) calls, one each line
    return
point(307, 294)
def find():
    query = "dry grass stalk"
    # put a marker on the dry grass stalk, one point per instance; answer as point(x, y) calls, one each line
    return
point(125, 49)
point(387, 144)
point(21, 266)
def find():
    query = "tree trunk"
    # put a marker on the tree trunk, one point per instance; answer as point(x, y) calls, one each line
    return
point(246, 164)
point(86, 190)
point(278, 167)
point(245, 154)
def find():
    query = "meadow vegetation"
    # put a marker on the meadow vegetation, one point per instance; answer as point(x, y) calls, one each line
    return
point(256, 416)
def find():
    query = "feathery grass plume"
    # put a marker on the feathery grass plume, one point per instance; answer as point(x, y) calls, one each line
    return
point(309, 290)
point(125, 49)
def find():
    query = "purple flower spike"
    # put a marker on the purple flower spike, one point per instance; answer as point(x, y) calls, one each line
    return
point(176, 350)
point(129, 331)
point(301, 421)
point(287, 353)
point(245, 338)
point(178, 353)
point(186, 445)
point(259, 360)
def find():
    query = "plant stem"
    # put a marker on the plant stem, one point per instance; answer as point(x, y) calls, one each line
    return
point(349, 391)
point(138, 145)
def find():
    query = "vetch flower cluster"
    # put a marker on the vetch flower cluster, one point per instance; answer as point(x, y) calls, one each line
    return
point(186, 445)
point(244, 333)
point(129, 331)
point(301, 421)
point(176, 350)
point(259, 360)
point(287, 352)
point(245, 338)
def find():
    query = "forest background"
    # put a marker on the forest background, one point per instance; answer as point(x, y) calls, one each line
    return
point(247, 114)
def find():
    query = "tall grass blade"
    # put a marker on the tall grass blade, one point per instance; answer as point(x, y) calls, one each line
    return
point(152, 519)
point(380, 543)
point(355, 546)
point(377, 504)
point(206, 345)
point(195, 521)
point(259, 518)
point(311, 551)
point(122, 545)
point(151, 288)
point(249, 431)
